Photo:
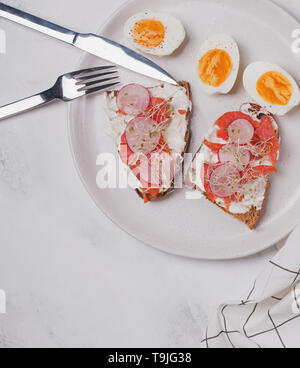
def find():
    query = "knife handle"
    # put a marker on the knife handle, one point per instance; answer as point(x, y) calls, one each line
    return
point(37, 24)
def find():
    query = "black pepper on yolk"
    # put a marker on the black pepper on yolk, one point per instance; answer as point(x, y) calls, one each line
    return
point(275, 88)
point(215, 67)
point(148, 33)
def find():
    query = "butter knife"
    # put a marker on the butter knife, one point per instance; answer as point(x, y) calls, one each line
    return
point(91, 43)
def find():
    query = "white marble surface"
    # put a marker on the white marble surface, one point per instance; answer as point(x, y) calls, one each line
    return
point(72, 278)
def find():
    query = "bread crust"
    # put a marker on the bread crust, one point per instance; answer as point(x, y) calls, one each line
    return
point(250, 218)
point(160, 196)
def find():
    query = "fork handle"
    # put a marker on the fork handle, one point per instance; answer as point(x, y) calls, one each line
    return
point(26, 104)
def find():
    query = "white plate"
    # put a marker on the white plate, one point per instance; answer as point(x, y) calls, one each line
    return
point(196, 228)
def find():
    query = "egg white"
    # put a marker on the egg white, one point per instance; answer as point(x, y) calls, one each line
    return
point(228, 44)
point(174, 37)
point(252, 74)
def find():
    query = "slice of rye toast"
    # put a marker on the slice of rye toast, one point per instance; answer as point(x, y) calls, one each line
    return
point(252, 217)
point(188, 115)
point(147, 196)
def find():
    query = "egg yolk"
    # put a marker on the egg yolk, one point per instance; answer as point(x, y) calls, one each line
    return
point(148, 33)
point(275, 88)
point(215, 67)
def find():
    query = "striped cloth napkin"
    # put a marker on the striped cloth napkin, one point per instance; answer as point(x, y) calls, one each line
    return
point(269, 314)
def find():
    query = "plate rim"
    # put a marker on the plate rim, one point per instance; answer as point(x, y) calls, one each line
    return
point(242, 254)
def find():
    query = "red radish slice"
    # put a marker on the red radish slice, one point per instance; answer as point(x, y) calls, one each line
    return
point(143, 135)
point(224, 180)
point(236, 155)
point(133, 99)
point(241, 131)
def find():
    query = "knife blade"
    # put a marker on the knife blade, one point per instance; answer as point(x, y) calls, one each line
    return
point(96, 45)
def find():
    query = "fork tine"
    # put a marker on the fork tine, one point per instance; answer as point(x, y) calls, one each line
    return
point(92, 70)
point(98, 81)
point(100, 88)
point(86, 78)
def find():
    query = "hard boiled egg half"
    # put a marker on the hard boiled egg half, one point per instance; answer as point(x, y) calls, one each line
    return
point(219, 64)
point(271, 87)
point(155, 33)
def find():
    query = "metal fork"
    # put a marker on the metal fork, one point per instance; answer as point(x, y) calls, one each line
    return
point(67, 87)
